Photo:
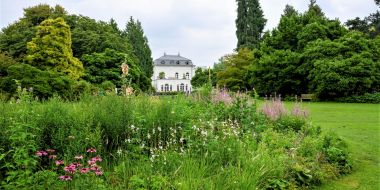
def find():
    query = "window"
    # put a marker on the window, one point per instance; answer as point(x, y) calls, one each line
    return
point(166, 87)
point(182, 87)
point(177, 88)
point(162, 88)
point(177, 62)
point(171, 89)
point(187, 62)
point(187, 75)
point(171, 62)
point(162, 62)
point(186, 88)
point(176, 75)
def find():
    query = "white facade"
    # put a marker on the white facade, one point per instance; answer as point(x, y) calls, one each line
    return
point(178, 72)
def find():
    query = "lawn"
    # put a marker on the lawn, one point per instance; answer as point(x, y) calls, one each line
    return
point(359, 126)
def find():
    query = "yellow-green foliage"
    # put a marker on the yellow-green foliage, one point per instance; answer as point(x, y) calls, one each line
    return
point(51, 49)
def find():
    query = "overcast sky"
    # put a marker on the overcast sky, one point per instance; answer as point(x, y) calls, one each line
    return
point(201, 30)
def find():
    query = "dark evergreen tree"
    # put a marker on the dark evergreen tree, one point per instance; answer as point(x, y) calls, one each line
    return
point(249, 23)
point(140, 47)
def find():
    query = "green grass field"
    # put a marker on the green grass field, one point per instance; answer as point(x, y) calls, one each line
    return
point(359, 126)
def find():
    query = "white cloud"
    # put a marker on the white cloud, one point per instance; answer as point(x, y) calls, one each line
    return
point(202, 30)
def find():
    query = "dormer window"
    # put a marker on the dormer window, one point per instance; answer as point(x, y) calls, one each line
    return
point(162, 62)
point(177, 62)
point(187, 62)
point(172, 62)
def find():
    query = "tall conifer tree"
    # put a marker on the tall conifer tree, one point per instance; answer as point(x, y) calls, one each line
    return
point(140, 47)
point(250, 23)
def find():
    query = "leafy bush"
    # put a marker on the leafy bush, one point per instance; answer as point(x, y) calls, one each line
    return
point(373, 98)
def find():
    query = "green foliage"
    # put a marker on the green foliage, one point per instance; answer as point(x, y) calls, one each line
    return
point(343, 67)
point(174, 143)
point(140, 47)
point(234, 76)
point(43, 84)
point(202, 77)
point(250, 23)
point(51, 50)
point(90, 36)
point(373, 98)
point(5, 62)
point(13, 38)
point(19, 162)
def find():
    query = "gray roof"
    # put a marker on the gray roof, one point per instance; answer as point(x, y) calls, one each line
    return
point(173, 60)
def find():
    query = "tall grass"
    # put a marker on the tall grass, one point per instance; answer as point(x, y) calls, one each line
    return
point(173, 143)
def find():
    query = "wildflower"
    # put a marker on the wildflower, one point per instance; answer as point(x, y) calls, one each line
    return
point(98, 172)
point(41, 153)
point(50, 150)
point(95, 168)
point(70, 168)
point(132, 127)
point(119, 151)
point(96, 159)
point(91, 162)
point(78, 157)
point(159, 129)
point(58, 162)
point(91, 150)
point(52, 156)
point(77, 164)
point(84, 170)
point(148, 136)
point(65, 178)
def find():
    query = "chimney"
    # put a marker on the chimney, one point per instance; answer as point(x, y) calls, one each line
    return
point(178, 54)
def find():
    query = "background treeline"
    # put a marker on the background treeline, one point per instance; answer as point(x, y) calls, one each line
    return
point(52, 52)
point(306, 53)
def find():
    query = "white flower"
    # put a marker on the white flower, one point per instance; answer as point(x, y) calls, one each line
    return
point(159, 129)
point(132, 127)
point(119, 151)
point(148, 136)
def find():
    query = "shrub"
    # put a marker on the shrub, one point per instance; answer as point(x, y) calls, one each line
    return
point(373, 98)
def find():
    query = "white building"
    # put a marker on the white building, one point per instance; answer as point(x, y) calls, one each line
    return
point(172, 73)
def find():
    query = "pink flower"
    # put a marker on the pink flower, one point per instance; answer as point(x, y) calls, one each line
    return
point(97, 159)
point(58, 162)
point(91, 162)
point(41, 153)
point(76, 164)
point(70, 168)
point(52, 156)
point(91, 150)
point(79, 157)
point(84, 170)
point(98, 172)
point(65, 178)
point(95, 168)
point(50, 150)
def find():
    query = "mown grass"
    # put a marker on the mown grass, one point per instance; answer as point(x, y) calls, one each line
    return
point(359, 126)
